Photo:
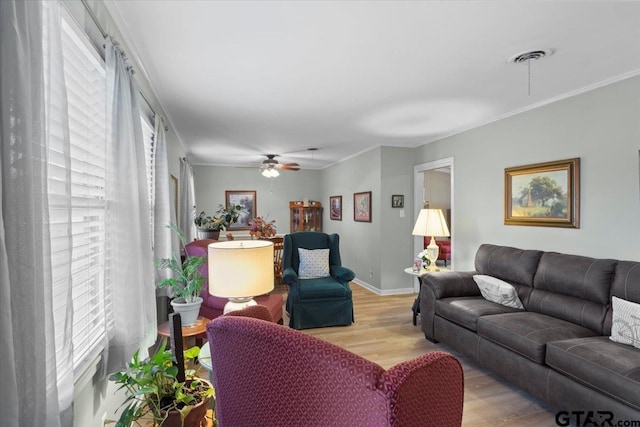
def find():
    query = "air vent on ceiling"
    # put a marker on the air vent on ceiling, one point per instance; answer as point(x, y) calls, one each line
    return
point(529, 55)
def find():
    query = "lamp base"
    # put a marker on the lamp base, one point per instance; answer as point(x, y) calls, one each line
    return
point(239, 303)
point(432, 255)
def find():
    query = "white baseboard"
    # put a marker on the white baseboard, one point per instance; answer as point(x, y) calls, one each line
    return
point(400, 291)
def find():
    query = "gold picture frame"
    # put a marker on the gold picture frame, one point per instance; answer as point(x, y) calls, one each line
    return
point(543, 194)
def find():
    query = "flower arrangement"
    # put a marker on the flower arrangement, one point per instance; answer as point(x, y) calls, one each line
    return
point(423, 256)
point(260, 227)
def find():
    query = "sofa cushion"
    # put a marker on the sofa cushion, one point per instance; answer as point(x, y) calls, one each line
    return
point(609, 367)
point(325, 287)
point(626, 322)
point(528, 333)
point(498, 291)
point(510, 264)
point(573, 288)
point(625, 286)
point(465, 311)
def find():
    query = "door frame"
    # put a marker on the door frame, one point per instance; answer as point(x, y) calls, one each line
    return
point(418, 199)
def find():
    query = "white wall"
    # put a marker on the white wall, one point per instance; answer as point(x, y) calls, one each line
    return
point(602, 127)
point(272, 194)
point(377, 251)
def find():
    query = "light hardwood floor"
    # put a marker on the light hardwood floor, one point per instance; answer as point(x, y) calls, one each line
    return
point(384, 333)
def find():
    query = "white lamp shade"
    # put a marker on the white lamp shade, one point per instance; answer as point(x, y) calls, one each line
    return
point(431, 222)
point(240, 268)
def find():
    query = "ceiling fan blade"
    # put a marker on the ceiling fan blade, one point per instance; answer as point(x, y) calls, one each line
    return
point(289, 167)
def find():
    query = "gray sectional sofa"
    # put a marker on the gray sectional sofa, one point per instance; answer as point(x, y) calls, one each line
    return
point(557, 348)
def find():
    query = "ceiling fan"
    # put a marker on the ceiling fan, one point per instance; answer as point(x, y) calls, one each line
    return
point(269, 167)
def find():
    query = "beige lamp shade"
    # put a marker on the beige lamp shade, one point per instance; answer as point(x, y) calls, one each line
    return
point(431, 222)
point(240, 268)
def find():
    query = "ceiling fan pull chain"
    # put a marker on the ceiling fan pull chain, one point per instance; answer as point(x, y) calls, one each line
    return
point(529, 75)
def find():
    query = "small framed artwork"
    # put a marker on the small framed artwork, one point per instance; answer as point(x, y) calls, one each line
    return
point(246, 199)
point(397, 201)
point(362, 206)
point(543, 194)
point(335, 208)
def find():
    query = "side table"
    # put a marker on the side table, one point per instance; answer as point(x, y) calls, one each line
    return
point(418, 274)
point(197, 330)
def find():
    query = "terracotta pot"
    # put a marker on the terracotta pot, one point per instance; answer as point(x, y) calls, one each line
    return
point(193, 418)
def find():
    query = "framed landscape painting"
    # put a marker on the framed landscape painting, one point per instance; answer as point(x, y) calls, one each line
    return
point(335, 208)
point(362, 206)
point(543, 194)
point(246, 199)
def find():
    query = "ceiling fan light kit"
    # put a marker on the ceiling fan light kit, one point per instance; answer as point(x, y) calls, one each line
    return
point(269, 167)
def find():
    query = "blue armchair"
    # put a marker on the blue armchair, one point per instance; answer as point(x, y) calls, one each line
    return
point(317, 302)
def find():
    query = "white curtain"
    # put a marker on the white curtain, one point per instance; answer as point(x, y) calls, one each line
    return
point(165, 242)
point(130, 271)
point(33, 128)
point(187, 200)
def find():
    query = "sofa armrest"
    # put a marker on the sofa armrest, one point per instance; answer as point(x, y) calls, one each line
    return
point(451, 284)
point(342, 274)
point(442, 285)
point(289, 276)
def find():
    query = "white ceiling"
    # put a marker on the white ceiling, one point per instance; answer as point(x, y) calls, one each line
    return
point(239, 79)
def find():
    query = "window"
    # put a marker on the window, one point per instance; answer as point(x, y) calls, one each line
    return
point(84, 74)
point(85, 81)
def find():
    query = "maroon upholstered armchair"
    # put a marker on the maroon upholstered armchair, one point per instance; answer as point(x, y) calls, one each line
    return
point(269, 375)
point(213, 307)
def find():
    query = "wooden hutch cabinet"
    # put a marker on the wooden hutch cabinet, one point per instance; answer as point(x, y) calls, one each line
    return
point(305, 218)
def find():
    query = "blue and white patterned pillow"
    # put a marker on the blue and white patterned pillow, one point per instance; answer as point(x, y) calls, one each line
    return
point(314, 263)
point(498, 291)
point(625, 326)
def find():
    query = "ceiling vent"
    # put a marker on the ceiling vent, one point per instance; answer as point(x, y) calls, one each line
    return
point(529, 55)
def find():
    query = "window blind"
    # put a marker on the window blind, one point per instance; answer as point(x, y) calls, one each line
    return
point(84, 75)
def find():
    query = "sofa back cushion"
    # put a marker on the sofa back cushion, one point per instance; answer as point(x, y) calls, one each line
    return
point(515, 266)
point(573, 288)
point(626, 285)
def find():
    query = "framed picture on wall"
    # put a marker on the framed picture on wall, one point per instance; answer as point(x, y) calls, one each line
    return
point(543, 194)
point(335, 208)
point(246, 199)
point(397, 201)
point(362, 206)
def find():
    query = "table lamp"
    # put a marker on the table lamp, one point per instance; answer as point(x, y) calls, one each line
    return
point(431, 222)
point(240, 270)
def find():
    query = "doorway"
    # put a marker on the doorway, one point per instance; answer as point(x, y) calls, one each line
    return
point(433, 187)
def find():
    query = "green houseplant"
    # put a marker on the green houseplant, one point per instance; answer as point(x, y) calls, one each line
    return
point(209, 227)
point(153, 391)
point(185, 283)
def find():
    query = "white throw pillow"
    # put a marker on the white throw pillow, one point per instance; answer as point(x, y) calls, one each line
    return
point(498, 291)
point(625, 326)
point(314, 263)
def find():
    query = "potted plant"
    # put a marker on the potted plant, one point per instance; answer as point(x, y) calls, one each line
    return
point(154, 393)
point(209, 226)
point(185, 283)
